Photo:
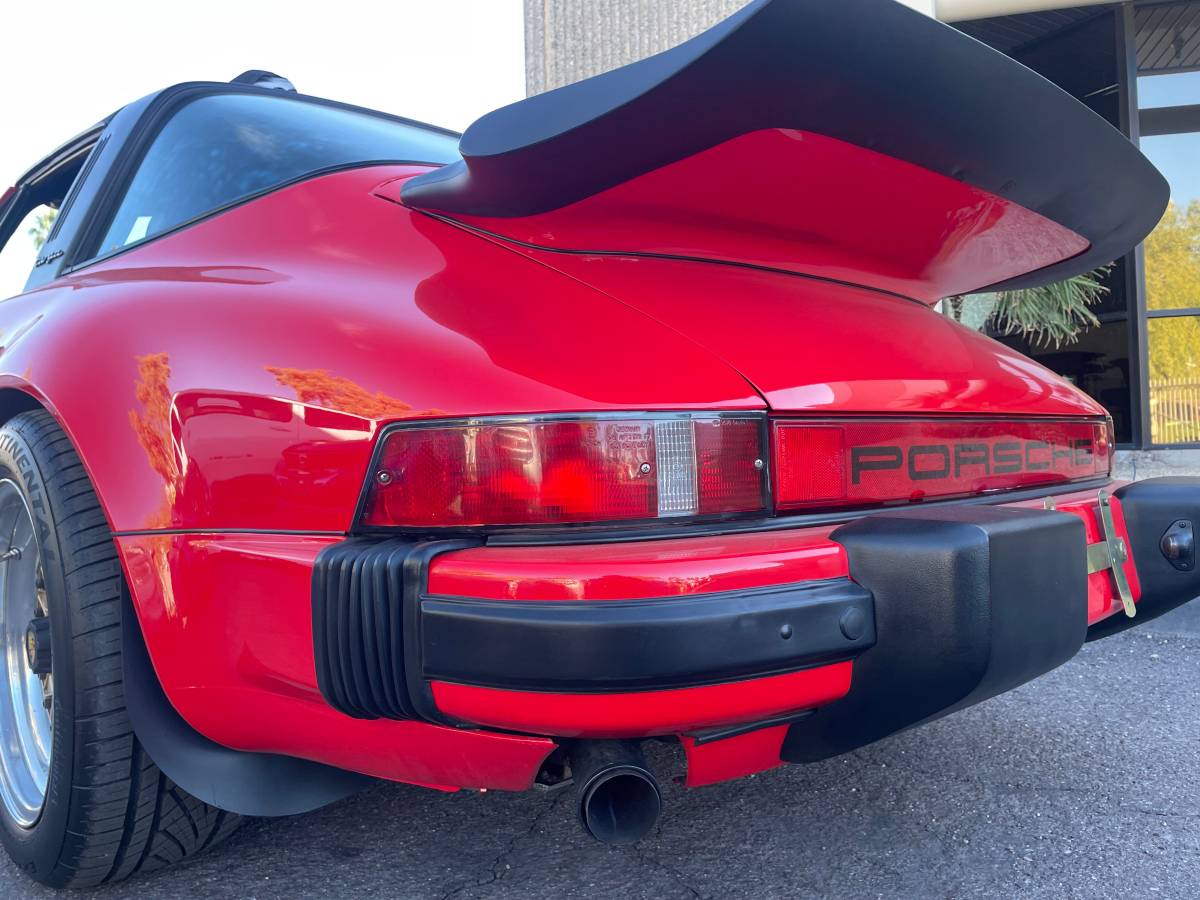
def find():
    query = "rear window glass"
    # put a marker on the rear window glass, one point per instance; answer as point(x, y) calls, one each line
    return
point(222, 148)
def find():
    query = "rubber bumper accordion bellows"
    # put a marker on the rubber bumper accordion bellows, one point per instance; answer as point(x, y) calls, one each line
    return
point(358, 628)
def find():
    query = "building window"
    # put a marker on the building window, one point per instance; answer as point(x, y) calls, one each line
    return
point(1143, 360)
point(1097, 363)
point(1176, 89)
point(1171, 124)
point(1175, 379)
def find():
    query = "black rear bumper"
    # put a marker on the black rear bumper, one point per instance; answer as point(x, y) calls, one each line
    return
point(381, 639)
point(974, 601)
point(969, 602)
point(1152, 509)
point(945, 606)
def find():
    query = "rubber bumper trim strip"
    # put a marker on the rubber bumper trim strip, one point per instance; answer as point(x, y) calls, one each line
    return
point(604, 646)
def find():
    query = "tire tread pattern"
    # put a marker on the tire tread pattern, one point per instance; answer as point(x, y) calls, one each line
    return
point(126, 816)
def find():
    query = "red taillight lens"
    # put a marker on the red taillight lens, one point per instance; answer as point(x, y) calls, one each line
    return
point(876, 463)
point(567, 471)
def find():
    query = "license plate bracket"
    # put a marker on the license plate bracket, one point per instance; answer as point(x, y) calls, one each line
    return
point(1111, 554)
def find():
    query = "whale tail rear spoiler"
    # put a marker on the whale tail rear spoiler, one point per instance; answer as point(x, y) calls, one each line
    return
point(856, 140)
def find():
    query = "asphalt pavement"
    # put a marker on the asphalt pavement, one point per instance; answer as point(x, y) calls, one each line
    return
point(1085, 783)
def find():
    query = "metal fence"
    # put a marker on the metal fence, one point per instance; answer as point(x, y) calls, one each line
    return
point(1175, 410)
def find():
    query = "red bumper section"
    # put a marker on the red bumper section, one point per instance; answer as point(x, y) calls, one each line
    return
point(455, 664)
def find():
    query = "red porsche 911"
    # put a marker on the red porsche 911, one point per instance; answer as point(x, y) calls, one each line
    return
point(337, 447)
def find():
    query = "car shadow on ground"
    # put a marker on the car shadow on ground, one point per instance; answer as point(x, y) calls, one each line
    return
point(1080, 784)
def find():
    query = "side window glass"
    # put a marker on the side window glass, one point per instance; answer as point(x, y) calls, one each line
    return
point(225, 147)
point(23, 246)
point(32, 220)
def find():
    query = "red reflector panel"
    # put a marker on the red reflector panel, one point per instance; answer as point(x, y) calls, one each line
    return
point(811, 458)
point(571, 471)
point(876, 463)
point(729, 466)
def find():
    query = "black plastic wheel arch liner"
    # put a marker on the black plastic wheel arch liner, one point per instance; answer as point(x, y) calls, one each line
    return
point(872, 73)
point(249, 784)
point(969, 602)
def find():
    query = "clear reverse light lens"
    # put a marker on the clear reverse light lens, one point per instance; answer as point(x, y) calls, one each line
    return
point(675, 462)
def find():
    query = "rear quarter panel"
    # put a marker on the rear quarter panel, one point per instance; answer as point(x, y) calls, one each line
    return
point(234, 374)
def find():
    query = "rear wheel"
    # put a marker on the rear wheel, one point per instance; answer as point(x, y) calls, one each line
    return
point(81, 803)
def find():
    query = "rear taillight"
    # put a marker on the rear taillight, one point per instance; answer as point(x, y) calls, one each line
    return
point(629, 468)
point(559, 471)
point(881, 462)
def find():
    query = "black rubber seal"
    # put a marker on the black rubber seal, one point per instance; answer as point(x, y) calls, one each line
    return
point(365, 595)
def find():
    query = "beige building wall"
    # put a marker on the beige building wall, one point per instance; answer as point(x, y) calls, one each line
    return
point(566, 40)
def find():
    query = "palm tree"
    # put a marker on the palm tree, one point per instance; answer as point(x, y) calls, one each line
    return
point(1050, 316)
point(42, 223)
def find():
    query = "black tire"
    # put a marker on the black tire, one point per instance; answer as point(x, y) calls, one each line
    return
point(109, 812)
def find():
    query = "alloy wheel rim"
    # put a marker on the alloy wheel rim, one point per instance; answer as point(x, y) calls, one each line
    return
point(26, 697)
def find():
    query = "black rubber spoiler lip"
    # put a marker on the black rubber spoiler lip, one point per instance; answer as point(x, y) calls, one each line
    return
point(873, 73)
